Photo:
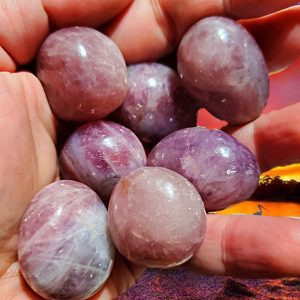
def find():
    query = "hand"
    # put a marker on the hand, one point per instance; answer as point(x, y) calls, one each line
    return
point(242, 245)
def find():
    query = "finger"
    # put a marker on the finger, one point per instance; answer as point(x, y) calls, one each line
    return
point(195, 10)
point(278, 35)
point(77, 12)
point(252, 246)
point(6, 62)
point(14, 287)
point(148, 30)
point(23, 26)
point(273, 138)
point(284, 87)
point(254, 8)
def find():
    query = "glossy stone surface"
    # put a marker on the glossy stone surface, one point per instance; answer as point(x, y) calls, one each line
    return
point(65, 251)
point(99, 153)
point(83, 73)
point(156, 217)
point(224, 70)
point(156, 103)
point(222, 169)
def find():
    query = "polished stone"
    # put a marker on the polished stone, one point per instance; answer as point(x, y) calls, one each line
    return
point(99, 153)
point(83, 73)
point(156, 103)
point(222, 169)
point(65, 251)
point(156, 217)
point(223, 68)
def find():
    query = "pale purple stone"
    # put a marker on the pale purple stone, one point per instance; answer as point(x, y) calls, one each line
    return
point(222, 169)
point(156, 217)
point(223, 68)
point(83, 73)
point(65, 251)
point(99, 153)
point(156, 103)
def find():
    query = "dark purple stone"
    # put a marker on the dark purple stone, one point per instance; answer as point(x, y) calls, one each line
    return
point(99, 153)
point(222, 169)
point(156, 103)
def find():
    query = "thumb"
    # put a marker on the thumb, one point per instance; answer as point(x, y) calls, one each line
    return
point(274, 138)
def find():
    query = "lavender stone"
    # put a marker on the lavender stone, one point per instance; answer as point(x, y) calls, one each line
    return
point(156, 103)
point(156, 217)
point(222, 169)
point(224, 69)
point(65, 251)
point(99, 153)
point(83, 73)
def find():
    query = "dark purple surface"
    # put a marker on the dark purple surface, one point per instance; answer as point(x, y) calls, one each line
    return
point(83, 74)
point(156, 103)
point(99, 153)
point(224, 70)
point(222, 169)
point(181, 284)
point(64, 250)
point(156, 217)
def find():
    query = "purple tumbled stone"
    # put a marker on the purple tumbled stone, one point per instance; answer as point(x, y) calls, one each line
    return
point(64, 250)
point(156, 103)
point(83, 73)
point(223, 68)
point(222, 169)
point(99, 153)
point(156, 217)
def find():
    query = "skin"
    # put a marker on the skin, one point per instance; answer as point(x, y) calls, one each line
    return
point(237, 245)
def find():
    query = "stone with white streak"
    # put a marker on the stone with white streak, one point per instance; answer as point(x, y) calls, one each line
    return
point(65, 251)
point(99, 153)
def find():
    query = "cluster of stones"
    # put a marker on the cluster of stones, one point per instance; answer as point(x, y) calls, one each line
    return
point(152, 209)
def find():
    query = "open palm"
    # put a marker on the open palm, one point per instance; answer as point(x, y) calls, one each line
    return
point(28, 133)
point(233, 245)
point(28, 161)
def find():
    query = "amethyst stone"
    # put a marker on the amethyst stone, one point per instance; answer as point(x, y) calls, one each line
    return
point(83, 73)
point(222, 169)
point(156, 217)
point(223, 68)
point(99, 153)
point(65, 251)
point(156, 103)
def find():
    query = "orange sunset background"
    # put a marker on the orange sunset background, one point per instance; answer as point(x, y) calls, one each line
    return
point(284, 91)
